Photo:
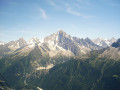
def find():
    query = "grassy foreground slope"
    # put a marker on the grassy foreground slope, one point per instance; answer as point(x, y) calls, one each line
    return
point(89, 74)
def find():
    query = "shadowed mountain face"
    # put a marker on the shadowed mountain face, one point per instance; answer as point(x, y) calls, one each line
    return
point(112, 52)
point(87, 74)
point(116, 44)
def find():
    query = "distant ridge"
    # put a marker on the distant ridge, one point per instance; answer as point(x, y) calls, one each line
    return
point(61, 40)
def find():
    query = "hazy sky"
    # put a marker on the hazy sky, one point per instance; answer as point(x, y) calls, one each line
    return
point(40, 18)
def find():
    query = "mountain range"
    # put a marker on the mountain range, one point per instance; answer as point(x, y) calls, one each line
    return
point(60, 61)
point(104, 42)
point(59, 42)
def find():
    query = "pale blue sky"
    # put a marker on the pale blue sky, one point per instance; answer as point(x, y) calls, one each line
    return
point(40, 18)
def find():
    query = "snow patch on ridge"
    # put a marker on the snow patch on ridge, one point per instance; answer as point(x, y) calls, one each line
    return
point(48, 67)
point(41, 40)
point(1, 43)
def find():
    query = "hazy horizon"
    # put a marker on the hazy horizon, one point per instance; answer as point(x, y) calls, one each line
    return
point(41, 18)
point(54, 33)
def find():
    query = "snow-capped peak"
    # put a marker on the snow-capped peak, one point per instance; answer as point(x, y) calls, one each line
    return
point(60, 32)
point(104, 42)
point(2, 43)
point(33, 40)
point(42, 40)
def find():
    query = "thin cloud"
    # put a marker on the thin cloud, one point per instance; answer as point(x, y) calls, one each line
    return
point(43, 13)
point(54, 4)
point(65, 4)
point(51, 3)
point(69, 10)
